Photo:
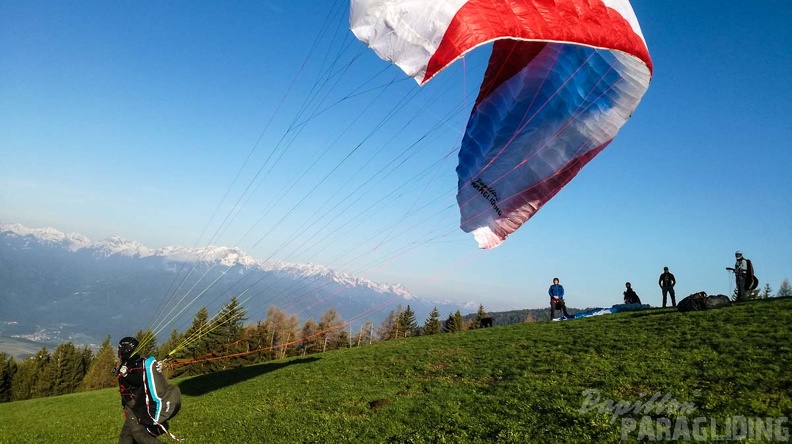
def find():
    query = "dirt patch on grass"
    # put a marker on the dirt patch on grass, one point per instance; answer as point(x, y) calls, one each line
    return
point(378, 403)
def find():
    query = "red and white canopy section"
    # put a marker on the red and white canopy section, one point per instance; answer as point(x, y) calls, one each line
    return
point(563, 77)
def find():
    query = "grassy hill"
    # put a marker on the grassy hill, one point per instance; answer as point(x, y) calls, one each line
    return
point(542, 382)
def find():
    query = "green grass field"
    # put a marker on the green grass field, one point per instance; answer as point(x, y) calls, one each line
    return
point(515, 384)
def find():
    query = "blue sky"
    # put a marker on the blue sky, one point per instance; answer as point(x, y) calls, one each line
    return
point(160, 121)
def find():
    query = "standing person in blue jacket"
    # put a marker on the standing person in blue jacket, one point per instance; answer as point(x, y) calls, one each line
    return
point(556, 292)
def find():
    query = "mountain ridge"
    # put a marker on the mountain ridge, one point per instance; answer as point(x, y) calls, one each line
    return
point(229, 256)
point(58, 282)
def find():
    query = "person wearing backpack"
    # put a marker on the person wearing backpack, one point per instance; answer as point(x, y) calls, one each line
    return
point(743, 275)
point(133, 393)
point(146, 397)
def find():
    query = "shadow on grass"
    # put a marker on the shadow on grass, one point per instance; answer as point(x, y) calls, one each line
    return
point(201, 385)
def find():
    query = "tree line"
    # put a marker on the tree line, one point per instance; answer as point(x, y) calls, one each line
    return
point(212, 344)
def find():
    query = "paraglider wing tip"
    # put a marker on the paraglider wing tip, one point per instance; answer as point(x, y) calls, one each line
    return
point(486, 238)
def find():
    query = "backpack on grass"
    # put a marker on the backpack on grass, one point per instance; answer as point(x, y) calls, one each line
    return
point(694, 302)
point(718, 301)
point(700, 301)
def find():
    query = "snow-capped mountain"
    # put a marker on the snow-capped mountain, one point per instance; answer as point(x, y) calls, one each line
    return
point(68, 283)
point(47, 236)
point(227, 256)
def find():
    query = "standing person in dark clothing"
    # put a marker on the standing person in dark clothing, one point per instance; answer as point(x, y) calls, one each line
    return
point(667, 282)
point(130, 384)
point(556, 292)
point(630, 296)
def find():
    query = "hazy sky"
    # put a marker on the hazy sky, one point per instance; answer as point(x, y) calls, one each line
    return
point(265, 125)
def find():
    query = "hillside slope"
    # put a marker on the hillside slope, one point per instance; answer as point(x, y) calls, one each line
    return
point(541, 382)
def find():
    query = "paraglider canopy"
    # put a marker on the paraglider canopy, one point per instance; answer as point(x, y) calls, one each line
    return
point(563, 77)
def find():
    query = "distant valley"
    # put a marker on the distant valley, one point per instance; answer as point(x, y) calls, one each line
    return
point(57, 287)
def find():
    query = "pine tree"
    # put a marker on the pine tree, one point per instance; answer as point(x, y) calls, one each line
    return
point(75, 367)
point(147, 343)
point(8, 369)
point(87, 357)
point(785, 290)
point(449, 326)
point(767, 292)
point(480, 314)
point(170, 344)
point(194, 346)
point(25, 379)
point(453, 323)
point(459, 321)
point(65, 370)
point(407, 323)
point(45, 374)
point(432, 323)
point(257, 341)
point(225, 330)
point(99, 375)
point(42, 375)
point(232, 319)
